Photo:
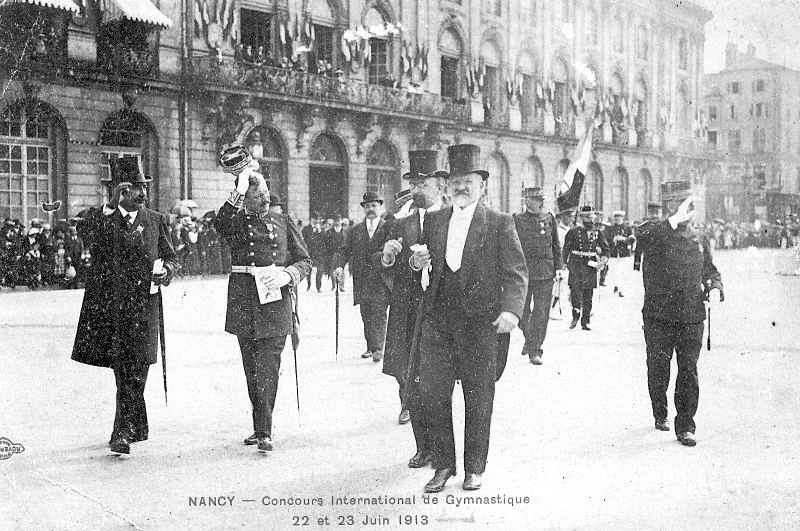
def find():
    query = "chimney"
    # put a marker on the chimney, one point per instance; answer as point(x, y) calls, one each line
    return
point(731, 51)
point(751, 50)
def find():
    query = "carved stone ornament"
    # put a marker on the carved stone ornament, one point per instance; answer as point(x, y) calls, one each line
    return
point(227, 118)
point(364, 124)
point(304, 119)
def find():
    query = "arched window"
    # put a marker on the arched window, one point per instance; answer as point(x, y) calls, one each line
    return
point(592, 192)
point(32, 159)
point(642, 48)
point(561, 97)
point(451, 49)
point(497, 183)
point(383, 171)
point(129, 133)
point(492, 60)
point(266, 147)
point(533, 172)
point(618, 34)
point(322, 58)
point(528, 100)
point(619, 189)
point(639, 106)
point(379, 65)
point(327, 187)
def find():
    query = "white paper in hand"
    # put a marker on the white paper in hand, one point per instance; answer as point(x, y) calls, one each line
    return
point(425, 281)
point(158, 268)
point(266, 295)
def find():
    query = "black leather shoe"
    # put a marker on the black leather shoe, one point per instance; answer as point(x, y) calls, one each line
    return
point(472, 481)
point(421, 459)
point(573, 324)
point(366, 355)
point(536, 359)
point(120, 445)
point(377, 356)
point(439, 480)
point(687, 438)
point(405, 417)
point(586, 327)
point(264, 444)
point(662, 424)
point(250, 441)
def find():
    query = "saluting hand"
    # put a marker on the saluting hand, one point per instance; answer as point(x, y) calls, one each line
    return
point(685, 212)
point(116, 195)
point(505, 322)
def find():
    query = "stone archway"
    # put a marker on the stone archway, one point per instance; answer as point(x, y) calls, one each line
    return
point(328, 176)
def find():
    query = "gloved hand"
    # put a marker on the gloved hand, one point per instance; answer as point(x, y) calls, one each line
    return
point(391, 249)
point(685, 212)
point(243, 180)
point(339, 275)
point(505, 322)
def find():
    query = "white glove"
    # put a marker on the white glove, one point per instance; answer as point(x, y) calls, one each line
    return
point(391, 249)
point(243, 180)
point(685, 212)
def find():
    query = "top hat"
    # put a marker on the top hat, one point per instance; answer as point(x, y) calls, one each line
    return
point(127, 169)
point(423, 163)
point(236, 158)
point(464, 159)
point(653, 205)
point(675, 190)
point(371, 196)
point(533, 192)
point(275, 200)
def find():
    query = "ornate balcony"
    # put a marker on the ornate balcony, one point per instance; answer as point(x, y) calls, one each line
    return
point(321, 89)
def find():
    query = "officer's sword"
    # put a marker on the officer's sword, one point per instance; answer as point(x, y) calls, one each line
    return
point(295, 344)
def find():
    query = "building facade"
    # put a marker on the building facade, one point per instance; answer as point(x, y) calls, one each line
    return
point(753, 110)
point(331, 95)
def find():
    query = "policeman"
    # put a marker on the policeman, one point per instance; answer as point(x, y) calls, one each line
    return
point(620, 238)
point(679, 277)
point(653, 214)
point(583, 248)
point(266, 248)
point(538, 234)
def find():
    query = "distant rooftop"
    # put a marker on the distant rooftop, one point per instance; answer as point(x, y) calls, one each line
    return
point(738, 61)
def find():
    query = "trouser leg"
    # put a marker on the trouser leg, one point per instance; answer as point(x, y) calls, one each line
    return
point(131, 411)
point(366, 319)
point(576, 300)
point(659, 341)
point(687, 388)
point(586, 306)
point(373, 314)
point(261, 358)
point(437, 379)
point(476, 370)
point(540, 314)
point(318, 278)
point(524, 322)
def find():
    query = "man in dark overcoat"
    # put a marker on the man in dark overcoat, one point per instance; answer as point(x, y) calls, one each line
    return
point(267, 248)
point(476, 289)
point(584, 246)
point(538, 234)
point(679, 277)
point(120, 317)
point(426, 187)
point(653, 214)
point(370, 293)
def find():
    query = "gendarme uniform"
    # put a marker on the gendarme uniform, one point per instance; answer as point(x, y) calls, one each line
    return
point(538, 234)
point(258, 240)
point(581, 246)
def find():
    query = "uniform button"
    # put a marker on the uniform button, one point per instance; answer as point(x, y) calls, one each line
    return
point(274, 254)
point(251, 234)
point(252, 263)
point(252, 254)
point(249, 226)
point(251, 243)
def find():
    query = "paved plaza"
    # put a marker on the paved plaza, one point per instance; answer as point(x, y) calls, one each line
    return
point(572, 445)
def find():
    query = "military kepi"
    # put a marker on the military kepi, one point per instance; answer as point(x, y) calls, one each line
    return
point(369, 197)
point(533, 192)
point(127, 169)
point(235, 159)
point(423, 163)
point(675, 190)
point(464, 159)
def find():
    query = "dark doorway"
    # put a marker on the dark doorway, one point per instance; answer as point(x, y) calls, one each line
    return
point(326, 187)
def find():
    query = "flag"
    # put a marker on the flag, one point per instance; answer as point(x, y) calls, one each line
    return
point(572, 181)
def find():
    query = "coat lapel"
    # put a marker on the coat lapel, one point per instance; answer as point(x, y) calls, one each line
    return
point(438, 247)
point(475, 236)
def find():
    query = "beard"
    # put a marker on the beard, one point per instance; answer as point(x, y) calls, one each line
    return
point(461, 200)
point(419, 200)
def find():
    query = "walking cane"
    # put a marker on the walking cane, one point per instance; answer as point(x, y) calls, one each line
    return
point(295, 344)
point(163, 340)
point(708, 341)
point(336, 287)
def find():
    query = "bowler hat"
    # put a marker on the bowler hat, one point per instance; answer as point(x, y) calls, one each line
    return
point(423, 163)
point(127, 169)
point(675, 190)
point(371, 196)
point(236, 158)
point(275, 200)
point(464, 159)
point(533, 192)
point(653, 205)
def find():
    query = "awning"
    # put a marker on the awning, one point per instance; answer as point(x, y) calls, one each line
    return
point(66, 5)
point(138, 10)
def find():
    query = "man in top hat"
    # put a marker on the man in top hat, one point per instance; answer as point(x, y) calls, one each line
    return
point(583, 248)
point(266, 249)
point(369, 291)
point(119, 321)
point(653, 214)
point(426, 185)
point(680, 275)
point(313, 236)
point(538, 235)
point(475, 289)
point(619, 236)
